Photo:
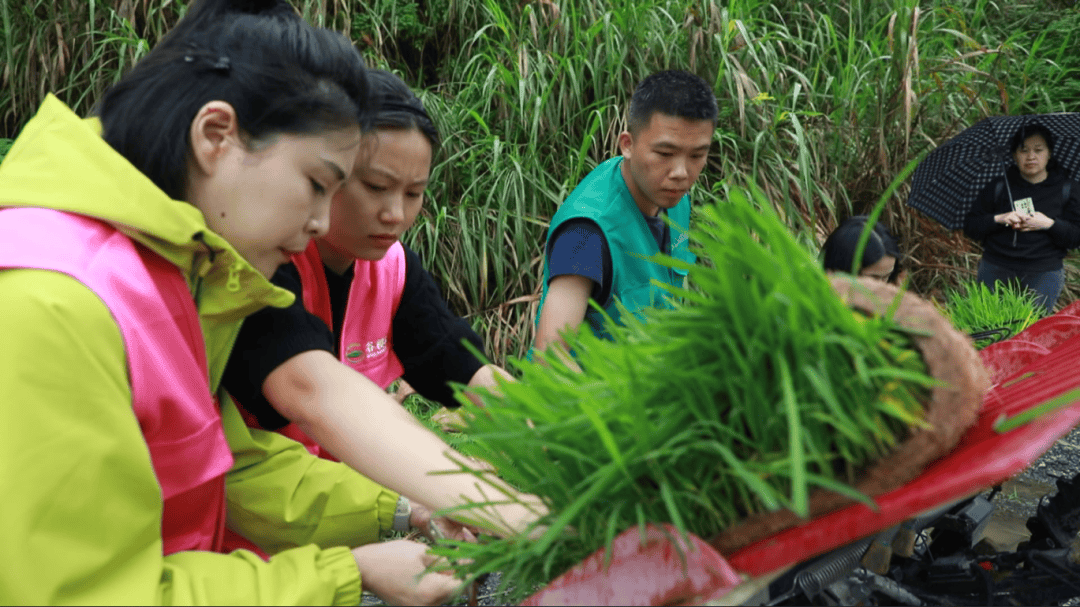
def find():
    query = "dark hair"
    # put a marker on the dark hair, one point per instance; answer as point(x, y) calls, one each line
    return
point(1028, 130)
point(398, 107)
point(673, 93)
point(839, 248)
point(280, 74)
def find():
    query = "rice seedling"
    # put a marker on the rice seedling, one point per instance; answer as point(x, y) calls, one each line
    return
point(760, 386)
point(990, 316)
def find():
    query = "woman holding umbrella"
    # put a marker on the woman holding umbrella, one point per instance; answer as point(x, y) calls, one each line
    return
point(1028, 219)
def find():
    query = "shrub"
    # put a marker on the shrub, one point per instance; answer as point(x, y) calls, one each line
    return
point(990, 316)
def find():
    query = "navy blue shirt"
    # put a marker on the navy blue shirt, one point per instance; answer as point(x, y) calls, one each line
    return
point(579, 248)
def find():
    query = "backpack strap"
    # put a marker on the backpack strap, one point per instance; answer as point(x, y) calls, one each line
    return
point(1066, 190)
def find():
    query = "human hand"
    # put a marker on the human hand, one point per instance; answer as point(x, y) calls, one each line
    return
point(503, 520)
point(1013, 219)
point(449, 420)
point(508, 519)
point(437, 528)
point(1036, 221)
point(404, 390)
point(395, 572)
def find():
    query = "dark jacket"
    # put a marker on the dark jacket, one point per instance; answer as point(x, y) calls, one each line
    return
point(1036, 251)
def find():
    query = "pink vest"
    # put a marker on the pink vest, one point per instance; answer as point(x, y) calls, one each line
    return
point(153, 308)
point(367, 334)
point(366, 342)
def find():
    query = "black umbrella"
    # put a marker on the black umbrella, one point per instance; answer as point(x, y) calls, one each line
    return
point(947, 182)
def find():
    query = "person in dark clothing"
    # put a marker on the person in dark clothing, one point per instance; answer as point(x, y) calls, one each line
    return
point(428, 339)
point(1028, 220)
point(880, 259)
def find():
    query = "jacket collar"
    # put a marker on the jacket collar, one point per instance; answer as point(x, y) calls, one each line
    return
point(61, 162)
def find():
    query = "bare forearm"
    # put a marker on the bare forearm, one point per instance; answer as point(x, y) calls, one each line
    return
point(366, 429)
point(564, 310)
point(487, 377)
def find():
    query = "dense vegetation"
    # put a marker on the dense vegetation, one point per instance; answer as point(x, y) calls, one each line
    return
point(822, 105)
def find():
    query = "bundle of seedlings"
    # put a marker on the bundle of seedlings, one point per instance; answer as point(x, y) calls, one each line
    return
point(764, 398)
point(990, 316)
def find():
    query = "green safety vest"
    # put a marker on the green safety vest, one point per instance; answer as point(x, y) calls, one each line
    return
point(604, 198)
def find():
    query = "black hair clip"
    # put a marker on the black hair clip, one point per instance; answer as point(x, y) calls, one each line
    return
point(221, 65)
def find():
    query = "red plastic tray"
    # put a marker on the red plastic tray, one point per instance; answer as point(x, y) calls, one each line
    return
point(1036, 365)
point(982, 459)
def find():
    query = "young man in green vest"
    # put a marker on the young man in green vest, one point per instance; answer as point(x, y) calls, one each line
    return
point(601, 237)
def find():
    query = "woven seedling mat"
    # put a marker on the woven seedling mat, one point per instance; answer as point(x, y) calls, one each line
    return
point(951, 409)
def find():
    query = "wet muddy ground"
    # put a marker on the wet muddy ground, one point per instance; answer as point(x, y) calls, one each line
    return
point(1020, 495)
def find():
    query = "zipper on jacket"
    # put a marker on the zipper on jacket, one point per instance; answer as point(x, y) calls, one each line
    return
point(201, 266)
point(233, 284)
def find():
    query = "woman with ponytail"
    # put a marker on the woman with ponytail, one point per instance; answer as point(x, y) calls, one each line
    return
point(363, 298)
point(132, 245)
point(367, 313)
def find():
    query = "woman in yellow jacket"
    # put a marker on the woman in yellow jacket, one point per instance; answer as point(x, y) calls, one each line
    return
point(131, 248)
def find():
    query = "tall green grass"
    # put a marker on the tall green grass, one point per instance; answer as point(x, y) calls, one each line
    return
point(821, 105)
point(820, 108)
point(73, 49)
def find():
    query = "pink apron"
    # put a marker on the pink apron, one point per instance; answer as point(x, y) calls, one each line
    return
point(366, 343)
point(153, 307)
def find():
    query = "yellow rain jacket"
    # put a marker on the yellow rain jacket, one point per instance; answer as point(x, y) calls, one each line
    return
point(80, 507)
